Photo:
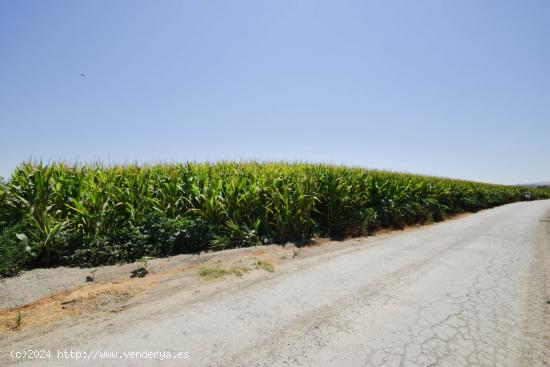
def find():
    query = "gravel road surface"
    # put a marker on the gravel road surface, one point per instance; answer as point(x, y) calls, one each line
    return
point(467, 292)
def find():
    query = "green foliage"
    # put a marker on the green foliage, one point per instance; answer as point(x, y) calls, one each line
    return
point(93, 214)
point(15, 252)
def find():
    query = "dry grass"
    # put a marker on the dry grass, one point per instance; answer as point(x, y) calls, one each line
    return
point(217, 272)
point(265, 265)
point(213, 272)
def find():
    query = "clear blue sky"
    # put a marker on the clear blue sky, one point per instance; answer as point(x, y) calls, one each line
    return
point(451, 88)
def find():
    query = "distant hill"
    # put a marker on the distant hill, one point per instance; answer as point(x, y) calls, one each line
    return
point(537, 184)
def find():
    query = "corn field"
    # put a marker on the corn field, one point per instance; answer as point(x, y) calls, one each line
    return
point(70, 214)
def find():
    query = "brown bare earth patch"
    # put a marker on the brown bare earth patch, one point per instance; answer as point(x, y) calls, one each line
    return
point(92, 297)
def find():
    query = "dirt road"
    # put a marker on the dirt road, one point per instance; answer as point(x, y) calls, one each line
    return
point(472, 291)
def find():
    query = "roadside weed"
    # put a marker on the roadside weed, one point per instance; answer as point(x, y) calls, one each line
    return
point(265, 265)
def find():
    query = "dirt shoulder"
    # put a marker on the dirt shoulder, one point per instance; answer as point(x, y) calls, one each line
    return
point(42, 296)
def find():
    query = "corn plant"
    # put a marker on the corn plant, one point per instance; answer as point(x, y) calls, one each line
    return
point(95, 214)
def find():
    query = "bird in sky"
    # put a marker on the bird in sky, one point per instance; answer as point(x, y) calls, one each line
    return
point(82, 74)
